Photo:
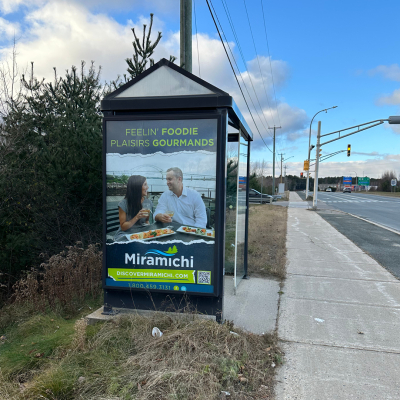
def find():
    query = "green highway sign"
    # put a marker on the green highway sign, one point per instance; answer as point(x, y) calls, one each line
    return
point(364, 181)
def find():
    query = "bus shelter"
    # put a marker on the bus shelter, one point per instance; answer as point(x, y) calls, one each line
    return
point(176, 153)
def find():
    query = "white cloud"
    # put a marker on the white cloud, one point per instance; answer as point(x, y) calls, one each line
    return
point(215, 69)
point(391, 99)
point(393, 128)
point(372, 168)
point(391, 72)
point(8, 29)
point(60, 34)
point(162, 6)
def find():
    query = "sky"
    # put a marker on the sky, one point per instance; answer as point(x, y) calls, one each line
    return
point(295, 59)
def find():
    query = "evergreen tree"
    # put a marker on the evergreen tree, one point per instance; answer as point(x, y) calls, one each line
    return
point(51, 181)
point(143, 51)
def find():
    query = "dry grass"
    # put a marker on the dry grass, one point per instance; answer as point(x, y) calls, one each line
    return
point(195, 359)
point(64, 281)
point(192, 360)
point(267, 241)
point(51, 356)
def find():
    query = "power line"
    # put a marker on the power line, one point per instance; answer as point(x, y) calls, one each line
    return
point(225, 5)
point(258, 61)
point(272, 75)
point(233, 70)
point(269, 57)
point(244, 83)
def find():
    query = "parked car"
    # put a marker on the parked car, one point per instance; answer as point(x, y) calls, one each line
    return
point(328, 190)
point(347, 190)
point(256, 197)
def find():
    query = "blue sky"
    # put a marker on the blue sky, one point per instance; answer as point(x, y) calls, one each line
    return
point(322, 53)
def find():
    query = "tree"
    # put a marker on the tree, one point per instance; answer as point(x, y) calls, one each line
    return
point(385, 181)
point(51, 181)
point(51, 160)
point(143, 51)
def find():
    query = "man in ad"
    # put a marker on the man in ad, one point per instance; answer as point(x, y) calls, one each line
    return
point(184, 204)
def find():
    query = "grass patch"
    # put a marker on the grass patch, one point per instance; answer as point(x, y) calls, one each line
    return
point(48, 352)
point(194, 359)
point(267, 241)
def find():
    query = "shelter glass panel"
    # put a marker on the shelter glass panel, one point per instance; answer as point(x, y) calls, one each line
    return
point(231, 204)
point(241, 211)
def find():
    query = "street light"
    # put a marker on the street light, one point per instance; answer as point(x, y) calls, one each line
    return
point(360, 127)
point(310, 148)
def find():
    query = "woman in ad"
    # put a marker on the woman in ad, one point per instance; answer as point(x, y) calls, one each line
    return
point(135, 208)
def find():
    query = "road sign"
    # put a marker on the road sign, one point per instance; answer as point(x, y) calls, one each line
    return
point(306, 165)
point(393, 182)
point(365, 181)
point(347, 180)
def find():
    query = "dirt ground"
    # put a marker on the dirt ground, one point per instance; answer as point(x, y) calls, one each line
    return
point(267, 241)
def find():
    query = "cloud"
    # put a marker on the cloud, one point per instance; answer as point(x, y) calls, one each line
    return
point(8, 29)
point(215, 68)
point(372, 168)
point(60, 34)
point(391, 99)
point(391, 72)
point(373, 154)
point(162, 6)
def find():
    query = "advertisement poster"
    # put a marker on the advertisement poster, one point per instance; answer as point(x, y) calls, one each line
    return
point(160, 201)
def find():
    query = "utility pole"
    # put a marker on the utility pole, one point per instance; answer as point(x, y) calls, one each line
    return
point(315, 198)
point(285, 178)
point(281, 154)
point(186, 35)
point(273, 165)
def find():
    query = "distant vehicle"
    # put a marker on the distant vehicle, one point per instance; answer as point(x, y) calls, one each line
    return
point(256, 197)
point(328, 190)
point(347, 190)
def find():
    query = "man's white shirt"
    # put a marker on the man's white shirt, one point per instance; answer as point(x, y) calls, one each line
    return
point(189, 208)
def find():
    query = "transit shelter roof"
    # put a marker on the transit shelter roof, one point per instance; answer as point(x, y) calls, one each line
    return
point(165, 86)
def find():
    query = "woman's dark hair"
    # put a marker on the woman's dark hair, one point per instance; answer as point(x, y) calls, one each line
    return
point(134, 194)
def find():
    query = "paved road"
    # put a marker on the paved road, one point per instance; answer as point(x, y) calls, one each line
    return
point(379, 209)
point(381, 244)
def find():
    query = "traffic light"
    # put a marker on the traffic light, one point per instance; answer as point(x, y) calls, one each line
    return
point(320, 152)
point(348, 150)
point(301, 174)
point(306, 165)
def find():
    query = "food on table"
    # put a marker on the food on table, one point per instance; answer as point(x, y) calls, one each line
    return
point(151, 234)
point(197, 231)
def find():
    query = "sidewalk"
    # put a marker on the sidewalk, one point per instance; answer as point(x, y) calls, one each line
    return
point(339, 317)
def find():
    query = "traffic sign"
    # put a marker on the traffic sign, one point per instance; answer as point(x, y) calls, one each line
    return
point(306, 165)
point(393, 182)
point(364, 181)
point(347, 180)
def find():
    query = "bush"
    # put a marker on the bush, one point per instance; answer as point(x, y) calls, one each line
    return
point(50, 171)
point(63, 283)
